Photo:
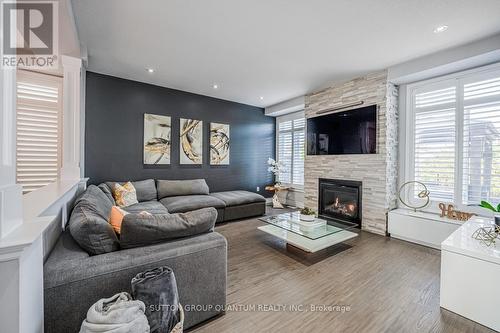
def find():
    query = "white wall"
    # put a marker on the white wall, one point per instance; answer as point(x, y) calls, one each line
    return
point(9, 291)
point(286, 107)
point(482, 52)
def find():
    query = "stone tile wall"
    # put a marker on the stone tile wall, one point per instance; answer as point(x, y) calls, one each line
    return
point(378, 172)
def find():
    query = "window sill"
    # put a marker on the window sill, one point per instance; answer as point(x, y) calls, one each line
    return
point(293, 188)
point(37, 216)
point(37, 202)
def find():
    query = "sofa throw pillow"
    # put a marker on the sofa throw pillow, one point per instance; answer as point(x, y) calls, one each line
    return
point(108, 192)
point(94, 199)
point(145, 189)
point(116, 218)
point(125, 195)
point(174, 188)
point(89, 224)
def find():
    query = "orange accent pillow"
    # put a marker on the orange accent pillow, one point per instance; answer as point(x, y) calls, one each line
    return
point(116, 218)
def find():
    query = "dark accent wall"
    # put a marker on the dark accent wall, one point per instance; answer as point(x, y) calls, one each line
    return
point(114, 130)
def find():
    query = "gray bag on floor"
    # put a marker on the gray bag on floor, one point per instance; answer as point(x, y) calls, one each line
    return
point(117, 314)
point(157, 288)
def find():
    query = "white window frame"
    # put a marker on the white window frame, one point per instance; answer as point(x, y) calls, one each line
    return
point(460, 79)
point(287, 117)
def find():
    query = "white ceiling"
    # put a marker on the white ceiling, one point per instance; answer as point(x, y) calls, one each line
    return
point(277, 49)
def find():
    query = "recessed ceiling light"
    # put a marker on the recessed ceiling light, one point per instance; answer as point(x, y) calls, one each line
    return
point(261, 98)
point(150, 70)
point(215, 86)
point(441, 28)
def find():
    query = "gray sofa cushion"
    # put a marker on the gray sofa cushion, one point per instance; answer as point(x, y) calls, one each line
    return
point(106, 190)
point(187, 203)
point(244, 211)
point(89, 225)
point(235, 198)
point(153, 207)
point(70, 275)
point(170, 188)
point(95, 199)
point(145, 189)
point(138, 230)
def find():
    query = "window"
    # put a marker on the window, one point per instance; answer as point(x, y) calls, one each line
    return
point(38, 129)
point(435, 140)
point(291, 148)
point(456, 136)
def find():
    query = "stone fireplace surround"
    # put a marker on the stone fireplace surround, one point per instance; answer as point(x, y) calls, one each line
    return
point(377, 172)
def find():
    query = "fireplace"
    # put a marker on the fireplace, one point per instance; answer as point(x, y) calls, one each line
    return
point(340, 200)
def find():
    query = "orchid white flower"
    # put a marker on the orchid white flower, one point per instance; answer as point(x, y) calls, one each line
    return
point(275, 167)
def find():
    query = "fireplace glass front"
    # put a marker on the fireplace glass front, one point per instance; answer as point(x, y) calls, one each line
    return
point(340, 200)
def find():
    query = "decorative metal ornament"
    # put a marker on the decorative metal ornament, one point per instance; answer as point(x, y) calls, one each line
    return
point(451, 213)
point(423, 194)
point(487, 235)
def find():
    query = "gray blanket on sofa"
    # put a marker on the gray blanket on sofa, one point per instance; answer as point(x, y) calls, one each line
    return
point(141, 230)
point(157, 288)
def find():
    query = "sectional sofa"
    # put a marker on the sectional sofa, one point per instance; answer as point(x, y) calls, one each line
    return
point(180, 196)
point(74, 279)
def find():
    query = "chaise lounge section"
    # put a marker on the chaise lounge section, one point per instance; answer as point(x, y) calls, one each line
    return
point(180, 196)
point(241, 204)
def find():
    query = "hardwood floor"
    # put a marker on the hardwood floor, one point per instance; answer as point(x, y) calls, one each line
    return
point(388, 285)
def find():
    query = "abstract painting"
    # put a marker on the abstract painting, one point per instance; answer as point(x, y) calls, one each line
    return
point(191, 141)
point(219, 144)
point(157, 139)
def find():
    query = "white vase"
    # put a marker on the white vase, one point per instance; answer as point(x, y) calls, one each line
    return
point(307, 218)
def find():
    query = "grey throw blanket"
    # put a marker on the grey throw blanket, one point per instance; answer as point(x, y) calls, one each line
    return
point(157, 288)
point(117, 314)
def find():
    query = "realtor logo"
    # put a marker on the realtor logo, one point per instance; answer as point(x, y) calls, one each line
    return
point(30, 34)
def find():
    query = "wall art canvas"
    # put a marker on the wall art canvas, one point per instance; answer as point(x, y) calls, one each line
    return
point(219, 144)
point(191, 141)
point(157, 139)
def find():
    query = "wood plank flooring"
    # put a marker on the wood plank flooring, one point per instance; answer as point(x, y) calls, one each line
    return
point(388, 285)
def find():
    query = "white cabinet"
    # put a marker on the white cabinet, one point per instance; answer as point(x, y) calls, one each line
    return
point(421, 228)
point(470, 272)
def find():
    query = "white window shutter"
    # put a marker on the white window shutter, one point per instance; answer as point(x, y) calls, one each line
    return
point(457, 136)
point(481, 160)
point(38, 129)
point(285, 156)
point(299, 144)
point(435, 140)
point(291, 148)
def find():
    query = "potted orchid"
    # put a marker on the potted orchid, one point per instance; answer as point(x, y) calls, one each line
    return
point(276, 167)
point(496, 210)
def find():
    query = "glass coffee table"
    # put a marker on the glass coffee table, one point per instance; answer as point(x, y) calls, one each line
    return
point(304, 235)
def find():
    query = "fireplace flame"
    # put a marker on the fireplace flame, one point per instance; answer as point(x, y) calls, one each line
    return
point(348, 209)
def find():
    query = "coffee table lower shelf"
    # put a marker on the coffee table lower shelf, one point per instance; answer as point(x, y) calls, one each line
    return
point(307, 244)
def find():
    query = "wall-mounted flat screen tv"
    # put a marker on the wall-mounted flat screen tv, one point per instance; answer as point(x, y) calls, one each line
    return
point(345, 132)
